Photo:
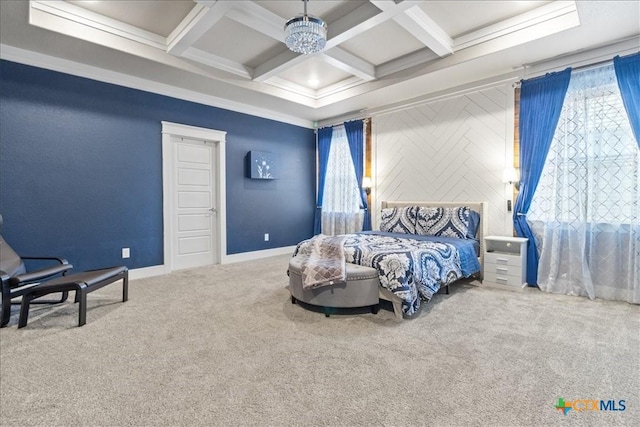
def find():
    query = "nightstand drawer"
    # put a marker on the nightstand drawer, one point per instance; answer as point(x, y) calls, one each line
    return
point(503, 270)
point(502, 259)
point(492, 277)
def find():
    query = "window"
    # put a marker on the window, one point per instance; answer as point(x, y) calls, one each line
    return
point(341, 188)
point(585, 213)
point(341, 211)
point(592, 170)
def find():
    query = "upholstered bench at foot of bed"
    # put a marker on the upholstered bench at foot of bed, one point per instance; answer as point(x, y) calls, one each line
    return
point(359, 290)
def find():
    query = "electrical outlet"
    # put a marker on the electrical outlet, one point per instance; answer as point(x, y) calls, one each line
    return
point(266, 237)
point(126, 253)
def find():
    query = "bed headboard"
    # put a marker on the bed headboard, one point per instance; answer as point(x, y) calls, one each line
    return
point(480, 207)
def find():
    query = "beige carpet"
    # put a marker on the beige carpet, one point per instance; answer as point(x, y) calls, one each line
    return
point(224, 346)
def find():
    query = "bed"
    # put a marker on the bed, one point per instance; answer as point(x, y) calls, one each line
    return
point(421, 248)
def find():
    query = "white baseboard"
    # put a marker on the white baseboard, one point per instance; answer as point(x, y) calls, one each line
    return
point(248, 256)
point(159, 270)
point(141, 273)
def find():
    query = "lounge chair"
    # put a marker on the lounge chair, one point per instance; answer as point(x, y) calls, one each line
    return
point(32, 285)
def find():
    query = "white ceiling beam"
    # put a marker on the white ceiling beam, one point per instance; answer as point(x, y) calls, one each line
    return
point(353, 24)
point(350, 63)
point(293, 87)
point(218, 62)
point(365, 18)
point(278, 64)
point(338, 87)
point(258, 18)
point(420, 57)
point(421, 26)
point(201, 19)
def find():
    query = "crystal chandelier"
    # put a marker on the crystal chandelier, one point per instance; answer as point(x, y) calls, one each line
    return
point(305, 34)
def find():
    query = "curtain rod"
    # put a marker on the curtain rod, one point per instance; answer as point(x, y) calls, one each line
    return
point(579, 68)
point(364, 120)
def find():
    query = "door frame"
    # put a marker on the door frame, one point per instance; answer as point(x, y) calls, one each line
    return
point(209, 136)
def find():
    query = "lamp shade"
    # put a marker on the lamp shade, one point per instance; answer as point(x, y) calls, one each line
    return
point(510, 175)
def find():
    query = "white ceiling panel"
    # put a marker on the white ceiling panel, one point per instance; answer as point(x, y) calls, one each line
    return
point(235, 42)
point(383, 43)
point(314, 73)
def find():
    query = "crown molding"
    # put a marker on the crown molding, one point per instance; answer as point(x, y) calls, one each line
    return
point(67, 12)
point(545, 20)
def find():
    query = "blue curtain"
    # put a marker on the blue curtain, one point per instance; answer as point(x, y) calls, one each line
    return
point(355, 136)
point(324, 145)
point(541, 102)
point(628, 75)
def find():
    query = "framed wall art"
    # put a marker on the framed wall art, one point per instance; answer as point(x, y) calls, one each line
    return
point(261, 165)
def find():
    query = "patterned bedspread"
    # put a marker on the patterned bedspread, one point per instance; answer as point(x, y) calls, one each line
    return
point(411, 269)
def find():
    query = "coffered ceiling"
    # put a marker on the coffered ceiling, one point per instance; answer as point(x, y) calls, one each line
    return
point(378, 51)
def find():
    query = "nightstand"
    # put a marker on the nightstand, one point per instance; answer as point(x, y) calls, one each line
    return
point(505, 262)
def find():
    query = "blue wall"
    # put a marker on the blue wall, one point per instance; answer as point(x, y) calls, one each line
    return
point(81, 170)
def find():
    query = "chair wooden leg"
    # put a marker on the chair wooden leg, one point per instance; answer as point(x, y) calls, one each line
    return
point(82, 315)
point(6, 302)
point(24, 311)
point(125, 287)
point(6, 310)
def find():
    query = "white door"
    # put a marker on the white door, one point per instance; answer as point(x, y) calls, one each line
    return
point(194, 231)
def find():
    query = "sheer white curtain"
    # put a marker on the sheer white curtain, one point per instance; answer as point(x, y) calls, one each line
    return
point(585, 212)
point(341, 211)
